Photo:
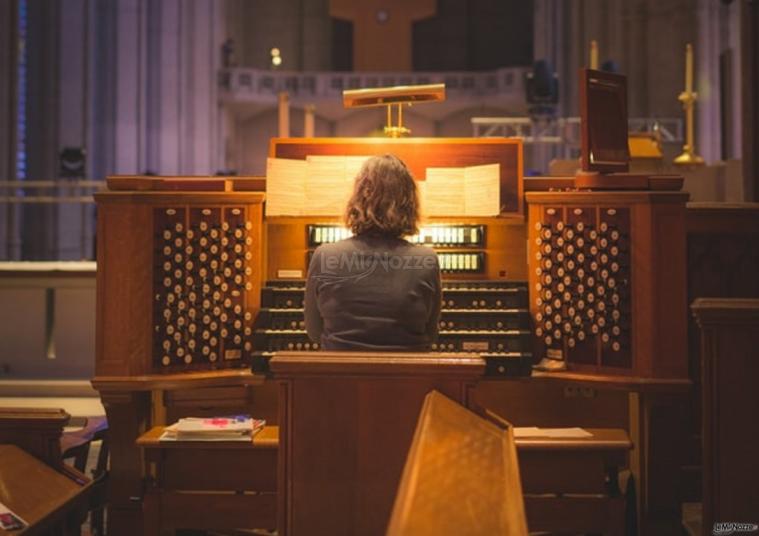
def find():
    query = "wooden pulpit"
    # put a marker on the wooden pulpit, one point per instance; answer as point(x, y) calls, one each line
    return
point(347, 421)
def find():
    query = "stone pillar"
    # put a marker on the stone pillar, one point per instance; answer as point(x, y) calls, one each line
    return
point(160, 79)
point(38, 221)
point(74, 227)
point(549, 34)
point(308, 121)
point(8, 140)
point(707, 61)
point(283, 109)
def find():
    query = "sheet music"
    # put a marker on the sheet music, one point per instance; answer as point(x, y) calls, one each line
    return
point(327, 188)
point(421, 192)
point(552, 433)
point(353, 166)
point(285, 186)
point(322, 184)
point(482, 192)
point(465, 191)
point(445, 192)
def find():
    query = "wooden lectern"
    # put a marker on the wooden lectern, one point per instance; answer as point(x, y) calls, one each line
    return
point(461, 475)
point(346, 424)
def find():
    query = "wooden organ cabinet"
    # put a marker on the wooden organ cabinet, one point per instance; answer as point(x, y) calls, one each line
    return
point(606, 274)
point(195, 257)
point(197, 290)
point(178, 289)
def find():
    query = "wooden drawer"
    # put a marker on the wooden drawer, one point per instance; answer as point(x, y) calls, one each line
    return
point(260, 401)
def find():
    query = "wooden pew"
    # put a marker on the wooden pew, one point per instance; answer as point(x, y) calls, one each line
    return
point(730, 404)
point(34, 482)
point(35, 430)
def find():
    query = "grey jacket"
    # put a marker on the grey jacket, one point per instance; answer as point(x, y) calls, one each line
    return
point(373, 293)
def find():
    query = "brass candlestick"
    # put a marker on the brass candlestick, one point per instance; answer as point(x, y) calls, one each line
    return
point(594, 54)
point(688, 98)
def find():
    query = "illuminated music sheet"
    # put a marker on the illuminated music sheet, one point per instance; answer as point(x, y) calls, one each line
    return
point(444, 194)
point(467, 191)
point(329, 183)
point(421, 192)
point(285, 186)
point(353, 166)
point(482, 192)
point(327, 187)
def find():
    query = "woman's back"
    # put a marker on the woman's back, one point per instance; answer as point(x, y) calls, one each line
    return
point(373, 292)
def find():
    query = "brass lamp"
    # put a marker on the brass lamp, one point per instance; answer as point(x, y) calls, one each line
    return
point(394, 96)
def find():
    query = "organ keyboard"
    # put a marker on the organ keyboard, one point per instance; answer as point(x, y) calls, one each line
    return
point(487, 317)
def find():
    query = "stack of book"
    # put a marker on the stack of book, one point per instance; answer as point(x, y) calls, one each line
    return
point(236, 428)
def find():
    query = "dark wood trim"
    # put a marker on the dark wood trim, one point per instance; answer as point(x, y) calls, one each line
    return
point(749, 39)
point(711, 312)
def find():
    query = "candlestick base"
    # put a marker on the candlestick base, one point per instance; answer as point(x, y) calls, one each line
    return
point(689, 158)
point(397, 132)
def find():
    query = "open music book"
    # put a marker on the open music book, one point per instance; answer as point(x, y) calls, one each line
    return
point(318, 186)
point(463, 191)
point(321, 186)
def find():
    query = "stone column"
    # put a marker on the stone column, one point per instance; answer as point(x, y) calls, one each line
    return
point(158, 73)
point(707, 60)
point(38, 221)
point(8, 140)
point(74, 227)
point(549, 34)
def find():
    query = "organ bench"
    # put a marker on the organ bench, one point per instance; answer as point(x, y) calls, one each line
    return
point(569, 484)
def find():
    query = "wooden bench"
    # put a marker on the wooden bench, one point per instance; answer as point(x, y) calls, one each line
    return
point(571, 485)
point(220, 485)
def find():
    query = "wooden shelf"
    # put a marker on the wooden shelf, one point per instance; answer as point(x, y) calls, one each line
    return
point(181, 380)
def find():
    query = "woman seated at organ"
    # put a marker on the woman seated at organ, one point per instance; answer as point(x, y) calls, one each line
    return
point(375, 290)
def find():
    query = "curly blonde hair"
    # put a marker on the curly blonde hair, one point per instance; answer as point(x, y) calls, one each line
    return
point(385, 199)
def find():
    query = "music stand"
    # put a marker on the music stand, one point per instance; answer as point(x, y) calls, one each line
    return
point(605, 155)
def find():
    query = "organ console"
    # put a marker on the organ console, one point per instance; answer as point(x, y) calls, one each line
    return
point(198, 290)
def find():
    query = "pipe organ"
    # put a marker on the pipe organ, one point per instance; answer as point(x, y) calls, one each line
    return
point(197, 288)
point(196, 278)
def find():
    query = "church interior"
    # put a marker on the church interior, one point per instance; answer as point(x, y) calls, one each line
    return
point(588, 173)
